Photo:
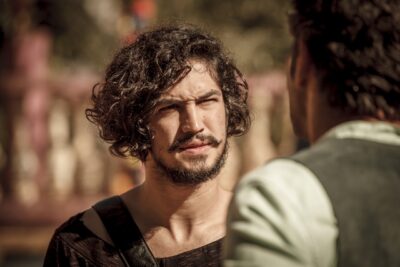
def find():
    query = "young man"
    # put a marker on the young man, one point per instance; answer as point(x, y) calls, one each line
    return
point(171, 99)
point(335, 204)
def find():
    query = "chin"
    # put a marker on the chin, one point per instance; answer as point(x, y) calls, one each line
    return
point(195, 170)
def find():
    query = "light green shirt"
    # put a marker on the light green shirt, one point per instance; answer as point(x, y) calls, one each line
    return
point(281, 215)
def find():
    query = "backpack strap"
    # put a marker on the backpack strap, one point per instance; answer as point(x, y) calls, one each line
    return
point(124, 232)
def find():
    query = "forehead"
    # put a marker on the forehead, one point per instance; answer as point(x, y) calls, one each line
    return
point(197, 82)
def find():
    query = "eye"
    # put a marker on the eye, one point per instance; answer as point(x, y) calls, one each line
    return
point(208, 101)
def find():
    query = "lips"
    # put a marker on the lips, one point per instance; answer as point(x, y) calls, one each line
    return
point(194, 146)
point(193, 142)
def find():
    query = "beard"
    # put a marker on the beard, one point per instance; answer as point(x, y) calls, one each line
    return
point(199, 172)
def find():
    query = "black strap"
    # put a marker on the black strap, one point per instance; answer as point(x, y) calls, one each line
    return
point(124, 232)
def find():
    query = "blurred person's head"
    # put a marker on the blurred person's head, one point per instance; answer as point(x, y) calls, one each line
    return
point(350, 52)
point(172, 97)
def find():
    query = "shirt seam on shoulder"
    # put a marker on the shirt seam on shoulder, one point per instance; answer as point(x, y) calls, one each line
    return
point(81, 253)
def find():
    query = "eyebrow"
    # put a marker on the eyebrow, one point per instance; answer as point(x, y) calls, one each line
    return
point(169, 101)
point(209, 94)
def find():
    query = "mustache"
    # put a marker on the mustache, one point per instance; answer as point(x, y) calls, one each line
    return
point(211, 140)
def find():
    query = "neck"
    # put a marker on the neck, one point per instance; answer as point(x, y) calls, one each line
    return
point(321, 116)
point(189, 203)
point(321, 119)
point(182, 210)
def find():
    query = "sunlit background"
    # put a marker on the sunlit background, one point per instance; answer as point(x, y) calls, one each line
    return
point(52, 162)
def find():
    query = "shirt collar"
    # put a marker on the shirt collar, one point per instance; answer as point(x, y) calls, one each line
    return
point(381, 132)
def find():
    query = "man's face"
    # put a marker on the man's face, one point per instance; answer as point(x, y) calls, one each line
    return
point(189, 129)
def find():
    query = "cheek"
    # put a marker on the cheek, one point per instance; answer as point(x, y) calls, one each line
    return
point(223, 117)
point(161, 136)
point(218, 122)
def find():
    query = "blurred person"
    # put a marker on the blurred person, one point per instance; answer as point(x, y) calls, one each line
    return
point(336, 203)
point(171, 99)
point(270, 135)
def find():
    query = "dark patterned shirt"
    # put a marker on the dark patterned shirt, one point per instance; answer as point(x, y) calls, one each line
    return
point(73, 244)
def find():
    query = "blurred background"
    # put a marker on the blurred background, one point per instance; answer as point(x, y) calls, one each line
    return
point(52, 162)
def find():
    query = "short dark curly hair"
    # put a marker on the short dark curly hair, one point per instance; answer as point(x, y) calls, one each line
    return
point(143, 70)
point(356, 47)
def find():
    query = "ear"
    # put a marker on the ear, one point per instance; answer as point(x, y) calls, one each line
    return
point(301, 85)
point(302, 69)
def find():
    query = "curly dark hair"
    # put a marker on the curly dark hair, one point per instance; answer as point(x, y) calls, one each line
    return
point(143, 70)
point(356, 47)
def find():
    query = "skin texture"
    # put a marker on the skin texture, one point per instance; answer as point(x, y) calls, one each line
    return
point(194, 108)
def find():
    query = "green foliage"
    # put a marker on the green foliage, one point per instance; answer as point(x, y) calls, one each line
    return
point(255, 31)
point(77, 37)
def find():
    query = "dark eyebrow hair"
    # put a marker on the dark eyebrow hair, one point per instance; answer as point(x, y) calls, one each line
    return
point(210, 93)
point(169, 101)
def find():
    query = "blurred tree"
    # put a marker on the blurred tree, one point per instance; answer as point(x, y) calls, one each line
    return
point(79, 36)
point(255, 31)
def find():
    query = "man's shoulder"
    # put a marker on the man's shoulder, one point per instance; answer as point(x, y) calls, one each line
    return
point(74, 231)
point(282, 178)
point(81, 228)
point(73, 242)
point(276, 171)
point(71, 225)
point(280, 204)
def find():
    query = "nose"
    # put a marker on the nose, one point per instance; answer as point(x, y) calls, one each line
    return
point(191, 119)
